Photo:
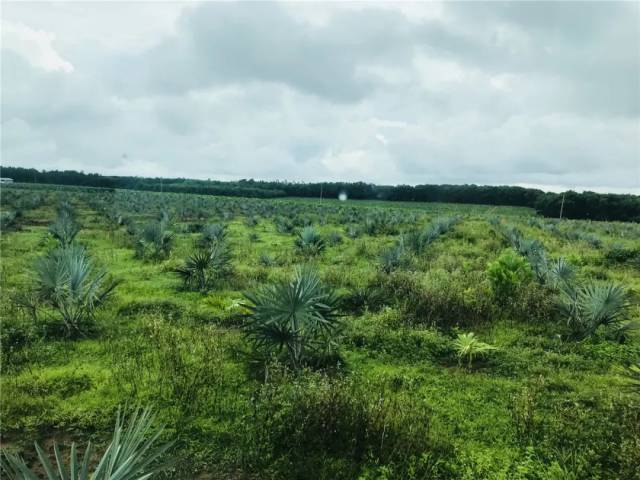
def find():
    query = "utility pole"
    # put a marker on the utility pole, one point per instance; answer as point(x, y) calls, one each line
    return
point(562, 206)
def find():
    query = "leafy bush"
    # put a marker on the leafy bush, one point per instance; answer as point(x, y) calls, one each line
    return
point(172, 366)
point(529, 248)
point(16, 334)
point(589, 435)
point(618, 253)
point(408, 343)
point(439, 298)
point(337, 428)
point(508, 274)
point(299, 315)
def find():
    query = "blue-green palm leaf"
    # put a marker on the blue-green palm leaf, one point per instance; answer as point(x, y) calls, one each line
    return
point(298, 314)
point(133, 454)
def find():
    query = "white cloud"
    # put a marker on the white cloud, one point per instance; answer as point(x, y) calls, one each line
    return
point(34, 45)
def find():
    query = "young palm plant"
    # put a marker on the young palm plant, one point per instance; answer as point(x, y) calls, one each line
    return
point(212, 233)
point(309, 241)
point(560, 274)
point(418, 241)
point(632, 374)
point(155, 241)
point(204, 266)
point(468, 347)
point(589, 307)
point(394, 258)
point(133, 454)
point(65, 228)
point(299, 315)
point(67, 281)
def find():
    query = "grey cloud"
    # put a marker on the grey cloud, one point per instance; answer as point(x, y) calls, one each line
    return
point(489, 93)
point(230, 42)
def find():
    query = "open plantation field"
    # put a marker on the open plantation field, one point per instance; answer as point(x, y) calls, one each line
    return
point(298, 338)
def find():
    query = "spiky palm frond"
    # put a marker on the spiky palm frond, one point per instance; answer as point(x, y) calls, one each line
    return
point(394, 257)
point(133, 454)
point(65, 208)
point(212, 233)
point(535, 253)
point(469, 347)
point(65, 228)
point(8, 220)
point(418, 241)
point(267, 260)
point(560, 273)
point(604, 305)
point(204, 266)
point(284, 225)
point(164, 217)
point(155, 241)
point(632, 374)
point(309, 241)
point(586, 308)
point(334, 238)
point(298, 314)
point(67, 280)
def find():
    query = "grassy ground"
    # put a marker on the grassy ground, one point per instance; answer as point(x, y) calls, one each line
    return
point(539, 406)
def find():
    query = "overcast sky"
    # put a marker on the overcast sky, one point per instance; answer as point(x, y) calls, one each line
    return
point(541, 94)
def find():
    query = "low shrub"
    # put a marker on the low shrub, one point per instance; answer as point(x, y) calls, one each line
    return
point(166, 309)
point(337, 428)
point(619, 254)
point(439, 298)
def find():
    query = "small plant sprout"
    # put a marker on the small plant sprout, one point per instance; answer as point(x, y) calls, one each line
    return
point(468, 348)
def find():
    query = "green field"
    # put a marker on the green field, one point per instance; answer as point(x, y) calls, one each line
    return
point(389, 391)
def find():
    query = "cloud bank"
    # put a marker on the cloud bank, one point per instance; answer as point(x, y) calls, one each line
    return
point(543, 94)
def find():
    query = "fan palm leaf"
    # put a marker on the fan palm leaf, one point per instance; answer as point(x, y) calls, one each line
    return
point(296, 314)
point(133, 454)
point(67, 280)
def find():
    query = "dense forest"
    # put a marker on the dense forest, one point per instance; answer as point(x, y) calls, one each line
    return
point(586, 205)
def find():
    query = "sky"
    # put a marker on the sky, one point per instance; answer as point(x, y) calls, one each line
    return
point(529, 93)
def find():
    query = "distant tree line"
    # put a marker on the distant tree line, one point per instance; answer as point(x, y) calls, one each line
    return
point(586, 205)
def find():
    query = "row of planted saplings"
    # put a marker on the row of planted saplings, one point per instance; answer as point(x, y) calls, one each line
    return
point(585, 306)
